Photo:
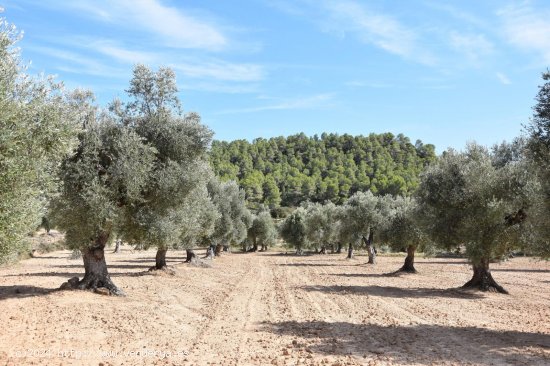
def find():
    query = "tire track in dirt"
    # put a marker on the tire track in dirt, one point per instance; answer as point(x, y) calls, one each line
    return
point(218, 332)
point(228, 336)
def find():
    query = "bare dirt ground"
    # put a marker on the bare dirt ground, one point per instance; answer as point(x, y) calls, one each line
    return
point(269, 308)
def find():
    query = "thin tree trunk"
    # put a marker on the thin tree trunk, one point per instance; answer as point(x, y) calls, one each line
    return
point(264, 248)
point(339, 250)
point(482, 278)
point(408, 266)
point(190, 255)
point(370, 248)
point(254, 246)
point(209, 253)
point(117, 246)
point(218, 250)
point(350, 251)
point(160, 259)
point(323, 250)
point(95, 268)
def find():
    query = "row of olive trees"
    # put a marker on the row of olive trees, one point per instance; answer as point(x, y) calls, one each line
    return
point(140, 173)
point(489, 202)
point(358, 222)
point(136, 172)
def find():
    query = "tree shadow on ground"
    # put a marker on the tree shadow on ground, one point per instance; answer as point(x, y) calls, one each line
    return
point(68, 275)
point(440, 262)
point(21, 291)
point(109, 266)
point(49, 274)
point(172, 260)
point(288, 254)
point(419, 344)
point(315, 265)
point(396, 292)
point(520, 270)
point(237, 252)
point(375, 275)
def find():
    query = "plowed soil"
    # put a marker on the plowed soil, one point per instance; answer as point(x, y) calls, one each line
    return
point(271, 308)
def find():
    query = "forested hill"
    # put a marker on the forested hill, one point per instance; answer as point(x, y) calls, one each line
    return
point(288, 170)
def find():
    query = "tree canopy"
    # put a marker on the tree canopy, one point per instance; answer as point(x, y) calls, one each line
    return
point(467, 199)
point(330, 167)
point(39, 122)
point(180, 170)
point(231, 227)
point(262, 232)
point(539, 153)
point(294, 230)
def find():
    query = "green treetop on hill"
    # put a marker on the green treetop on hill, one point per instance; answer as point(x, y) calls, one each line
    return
point(288, 170)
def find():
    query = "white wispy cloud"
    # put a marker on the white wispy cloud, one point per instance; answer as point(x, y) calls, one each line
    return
point(315, 101)
point(122, 54)
point(77, 63)
point(503, 78)
point(172, 29)
point(172, 25)
point(381, 30)
point(474, 46)
point(364, 84)
point(527, 28)
point(220, 87)
point(91, 51)
point(292, 8)
point(221, 70)
point(458, 14)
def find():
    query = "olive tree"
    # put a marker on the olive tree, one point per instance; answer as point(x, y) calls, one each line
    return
point(474, 200)
point(231, 227)
point(180, 168)
point(322, 225)
point(364, 214)
point(101, 181)
point(262, 232)
point(199, 222)
point(403, 231)
point(538, 149)
point(293, 230)
point(38, 128)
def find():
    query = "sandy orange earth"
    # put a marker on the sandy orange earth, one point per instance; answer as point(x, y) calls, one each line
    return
point(269, 308)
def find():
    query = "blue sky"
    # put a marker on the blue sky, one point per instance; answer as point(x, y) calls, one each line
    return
point(445, 72)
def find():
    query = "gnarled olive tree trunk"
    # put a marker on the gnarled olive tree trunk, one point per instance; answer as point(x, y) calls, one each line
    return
point(339, 248)
point(95, 268)
point(482, 278)
point(160, 259)
point(254, 246)
point(408, 266)
point(370, 247)
point(350, 251)
point(190, 255)
point(209, 252)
